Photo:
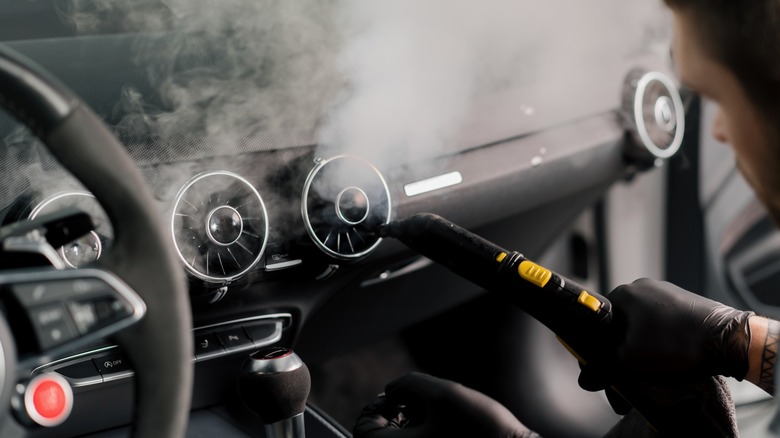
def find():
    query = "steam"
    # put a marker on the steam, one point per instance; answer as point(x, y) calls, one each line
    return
point(27, 164)
point(232, 75)
point(420, 72)
point(393, 81)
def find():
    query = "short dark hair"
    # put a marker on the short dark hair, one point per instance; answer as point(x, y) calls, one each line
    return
point(744, 36)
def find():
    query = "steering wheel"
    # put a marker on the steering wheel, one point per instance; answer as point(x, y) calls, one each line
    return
point(159, 346)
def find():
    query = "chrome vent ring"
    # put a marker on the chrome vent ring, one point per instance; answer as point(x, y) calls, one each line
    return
point(655, 115)
point(87, 248)
point(345, 198)
point(220, 226)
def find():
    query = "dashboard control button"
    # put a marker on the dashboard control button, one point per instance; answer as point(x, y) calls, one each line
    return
point(277, 252)
point(234, 339)
point(93, 313)
point(52, 325)
point(207, 345)
point(112, 364)
point(279, 256)
point(80, 373)
point(265, 333)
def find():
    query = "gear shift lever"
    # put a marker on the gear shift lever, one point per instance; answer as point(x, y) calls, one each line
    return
point(274, 383)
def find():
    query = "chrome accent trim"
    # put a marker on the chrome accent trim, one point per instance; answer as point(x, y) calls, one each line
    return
point(282, 320)
point(118, 376)
point(282, 265)
point(338, 209)
point(73, 358)
point(434, 183)
point(320, 164)
point(288, 428)
point(284, 363)
point(99, 250)
point(178, 199)
point(208, 228)
point(330, 270)
point(663, 114)
point(275, 337)
point(33, 242)
point(46, 202)
point(38, 208)
point(287, 316)
point(679, 109)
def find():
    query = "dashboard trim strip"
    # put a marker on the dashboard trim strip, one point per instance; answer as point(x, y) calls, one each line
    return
point(434, 183)
point(283, 320)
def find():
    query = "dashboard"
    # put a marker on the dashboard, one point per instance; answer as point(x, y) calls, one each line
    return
point(272, 174)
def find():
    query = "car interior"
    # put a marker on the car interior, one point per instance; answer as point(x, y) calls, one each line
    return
point(196, 197)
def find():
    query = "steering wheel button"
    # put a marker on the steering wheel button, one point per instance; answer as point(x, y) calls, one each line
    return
point(83, 315)
point(48, 400)
point(37, 293)
point(52, 325)
point(109, 309)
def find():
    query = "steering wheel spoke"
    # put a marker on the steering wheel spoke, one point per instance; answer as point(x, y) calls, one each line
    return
point(58, 311)
point(140, 283)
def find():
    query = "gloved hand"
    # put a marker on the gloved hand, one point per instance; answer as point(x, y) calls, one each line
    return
point(671, 333)
point(418, 405)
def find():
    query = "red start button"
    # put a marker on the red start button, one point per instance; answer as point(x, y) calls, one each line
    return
point(48, 399)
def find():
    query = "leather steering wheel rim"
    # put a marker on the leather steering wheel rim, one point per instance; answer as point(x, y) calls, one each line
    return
point(159, 347)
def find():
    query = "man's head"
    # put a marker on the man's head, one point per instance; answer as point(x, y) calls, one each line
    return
point(729, 52)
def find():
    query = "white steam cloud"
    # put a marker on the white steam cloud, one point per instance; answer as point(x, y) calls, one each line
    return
point(420, 72)
point(229, 74)
point(394, 81)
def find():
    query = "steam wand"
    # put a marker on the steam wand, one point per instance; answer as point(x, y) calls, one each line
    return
point(582, 319)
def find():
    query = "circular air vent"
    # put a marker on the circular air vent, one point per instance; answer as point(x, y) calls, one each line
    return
point(220, 226)
point(87, 248)
point(654, 110)
point(345, 199)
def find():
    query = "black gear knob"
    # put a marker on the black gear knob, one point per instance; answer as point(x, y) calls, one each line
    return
point(274, 383)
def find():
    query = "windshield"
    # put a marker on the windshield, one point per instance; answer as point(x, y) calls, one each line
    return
point(359, 76)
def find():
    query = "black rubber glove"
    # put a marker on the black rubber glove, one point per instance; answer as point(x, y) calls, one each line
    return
point(418, 405)
point(671, 334)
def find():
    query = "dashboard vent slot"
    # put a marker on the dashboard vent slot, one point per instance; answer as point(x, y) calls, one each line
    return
point(220, 226)
point(344, 199)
